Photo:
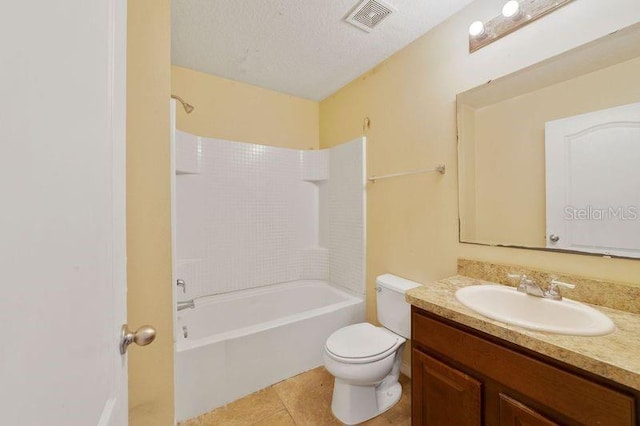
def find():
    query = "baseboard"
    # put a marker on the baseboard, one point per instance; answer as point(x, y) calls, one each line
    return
point(405, 368)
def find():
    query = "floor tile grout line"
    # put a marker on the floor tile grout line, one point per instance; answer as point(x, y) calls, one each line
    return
point(285, 404)
point(272, 415)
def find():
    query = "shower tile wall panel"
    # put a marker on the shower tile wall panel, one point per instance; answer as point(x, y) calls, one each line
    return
point(190, 240)
point(315, 263)
point(251, 215)
point(315, 165)
point(187, 153)
point(245, 220)
point(342, 215)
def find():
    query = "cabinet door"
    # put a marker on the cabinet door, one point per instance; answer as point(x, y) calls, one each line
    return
point(442, 395)
point(515, 413)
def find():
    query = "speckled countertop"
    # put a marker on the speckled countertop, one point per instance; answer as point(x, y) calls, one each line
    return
point(615, 356)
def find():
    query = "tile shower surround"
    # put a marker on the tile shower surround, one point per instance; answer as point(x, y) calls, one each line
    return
point(252, 215)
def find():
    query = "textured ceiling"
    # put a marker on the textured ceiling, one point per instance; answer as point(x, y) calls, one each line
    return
point(300, 47)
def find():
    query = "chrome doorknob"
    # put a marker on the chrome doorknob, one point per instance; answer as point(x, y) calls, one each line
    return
point(554, 238)
point(141, 337)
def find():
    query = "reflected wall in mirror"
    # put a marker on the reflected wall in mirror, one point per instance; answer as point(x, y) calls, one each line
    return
point(549, 156)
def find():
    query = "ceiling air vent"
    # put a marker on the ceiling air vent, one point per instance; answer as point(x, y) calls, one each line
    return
point(370, 13)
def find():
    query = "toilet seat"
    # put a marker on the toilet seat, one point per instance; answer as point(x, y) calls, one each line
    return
point(362, 343)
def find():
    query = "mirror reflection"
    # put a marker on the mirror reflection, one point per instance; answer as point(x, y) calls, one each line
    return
point(549, 157)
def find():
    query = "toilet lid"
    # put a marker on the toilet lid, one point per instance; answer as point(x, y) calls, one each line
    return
point(361, 341)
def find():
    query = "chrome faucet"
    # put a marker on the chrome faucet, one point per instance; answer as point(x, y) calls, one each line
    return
point(554, 292)
point(528, 286)
point(187, 304)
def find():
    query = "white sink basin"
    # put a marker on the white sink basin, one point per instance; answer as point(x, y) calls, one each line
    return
point(507, 305)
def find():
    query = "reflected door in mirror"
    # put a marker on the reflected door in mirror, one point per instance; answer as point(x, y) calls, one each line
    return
point(593, 182)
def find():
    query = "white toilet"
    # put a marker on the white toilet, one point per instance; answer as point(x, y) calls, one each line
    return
point(365, 359)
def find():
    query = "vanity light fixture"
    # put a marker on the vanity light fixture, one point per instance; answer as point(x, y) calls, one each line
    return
point(512, 10)
point(476, 29)
point(515, 14)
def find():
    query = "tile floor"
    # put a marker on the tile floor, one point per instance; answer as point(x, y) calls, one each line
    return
point(303, 400)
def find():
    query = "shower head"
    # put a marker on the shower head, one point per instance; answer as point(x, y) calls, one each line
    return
point(188, 108)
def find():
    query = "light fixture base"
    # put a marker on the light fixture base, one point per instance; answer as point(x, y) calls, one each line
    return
point(500, 26)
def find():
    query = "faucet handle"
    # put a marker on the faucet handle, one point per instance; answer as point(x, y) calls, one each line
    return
point(554, 292)
point(514, 277)
point(555, 284)
point(523, 283)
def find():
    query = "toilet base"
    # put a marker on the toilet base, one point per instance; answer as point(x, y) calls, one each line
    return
point(389, 397)
point(353, 404)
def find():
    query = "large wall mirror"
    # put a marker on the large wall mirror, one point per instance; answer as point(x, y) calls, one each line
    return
point(549, 156)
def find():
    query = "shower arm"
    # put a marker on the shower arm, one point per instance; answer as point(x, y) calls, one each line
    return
point(188, 108)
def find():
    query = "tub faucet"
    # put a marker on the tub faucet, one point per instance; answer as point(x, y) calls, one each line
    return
point(187, 304)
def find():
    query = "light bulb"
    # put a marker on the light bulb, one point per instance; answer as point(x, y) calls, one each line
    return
point(511, 9)
point(476, 29)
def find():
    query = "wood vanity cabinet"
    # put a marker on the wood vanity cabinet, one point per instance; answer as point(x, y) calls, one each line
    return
point(462, 377)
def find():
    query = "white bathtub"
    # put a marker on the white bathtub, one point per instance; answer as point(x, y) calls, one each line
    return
point(244, 341)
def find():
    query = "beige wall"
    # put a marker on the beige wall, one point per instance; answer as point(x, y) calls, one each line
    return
point(148, 210)
point(410, 98)
point(236, 111)
point(510, 151)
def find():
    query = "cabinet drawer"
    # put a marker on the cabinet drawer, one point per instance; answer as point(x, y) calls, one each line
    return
point(577, 398)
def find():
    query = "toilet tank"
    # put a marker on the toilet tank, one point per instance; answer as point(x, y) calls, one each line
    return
point(394, 313)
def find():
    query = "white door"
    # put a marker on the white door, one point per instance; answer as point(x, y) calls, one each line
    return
point(62, 212)
point(593, 182)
